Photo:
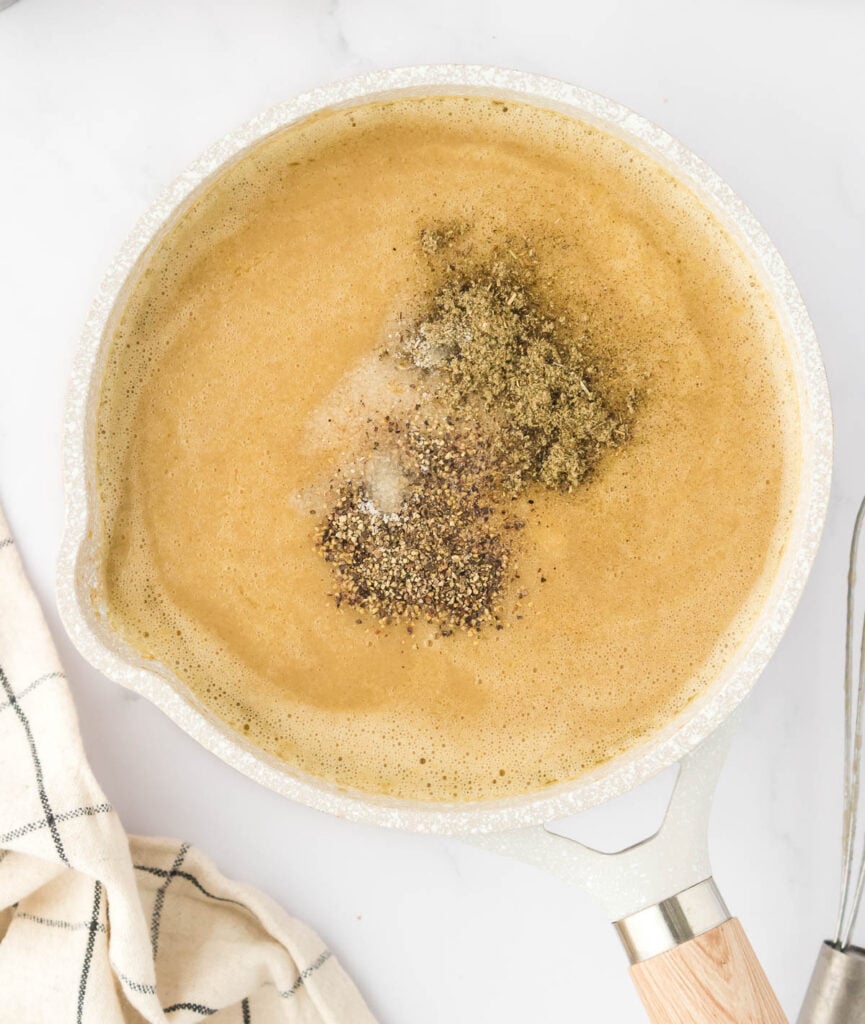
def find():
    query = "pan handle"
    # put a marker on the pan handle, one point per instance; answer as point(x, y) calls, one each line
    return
point(715, 978)
point(692, 963)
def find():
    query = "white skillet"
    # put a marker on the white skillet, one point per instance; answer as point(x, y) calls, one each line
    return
point(691, 961)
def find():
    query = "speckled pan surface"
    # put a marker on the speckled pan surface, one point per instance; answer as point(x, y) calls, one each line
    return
point(78, 589)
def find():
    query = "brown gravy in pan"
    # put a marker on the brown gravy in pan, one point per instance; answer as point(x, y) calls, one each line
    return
point(247, 361)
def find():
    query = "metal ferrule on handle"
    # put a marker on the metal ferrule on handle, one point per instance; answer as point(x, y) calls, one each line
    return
point(672, 922)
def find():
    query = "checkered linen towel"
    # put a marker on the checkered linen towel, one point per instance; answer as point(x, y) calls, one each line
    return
point(98, 927)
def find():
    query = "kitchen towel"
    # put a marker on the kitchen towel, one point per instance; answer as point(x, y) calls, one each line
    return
point(97, 926)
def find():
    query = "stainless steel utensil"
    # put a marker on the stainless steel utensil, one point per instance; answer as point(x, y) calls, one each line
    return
point(836, 994)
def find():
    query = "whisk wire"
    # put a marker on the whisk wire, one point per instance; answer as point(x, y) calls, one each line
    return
point(857, 760)
point(849, 903)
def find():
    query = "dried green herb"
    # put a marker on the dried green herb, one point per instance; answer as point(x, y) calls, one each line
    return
point(488, 341)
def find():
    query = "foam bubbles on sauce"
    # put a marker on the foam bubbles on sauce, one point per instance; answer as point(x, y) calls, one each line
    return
point(244, 366)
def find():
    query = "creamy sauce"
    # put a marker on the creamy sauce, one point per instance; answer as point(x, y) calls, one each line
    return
point(245, 355)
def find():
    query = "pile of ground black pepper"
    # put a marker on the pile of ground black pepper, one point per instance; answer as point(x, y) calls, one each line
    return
point(511, 400)
point(439, 553)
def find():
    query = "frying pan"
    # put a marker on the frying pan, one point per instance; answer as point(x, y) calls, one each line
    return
point(690, 960)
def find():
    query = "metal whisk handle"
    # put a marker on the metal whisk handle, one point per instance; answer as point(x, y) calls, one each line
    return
point(836, 994)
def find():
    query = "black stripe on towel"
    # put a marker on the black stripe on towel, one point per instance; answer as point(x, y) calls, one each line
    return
point(88, 952)
point(37, 766)
point(159, 902)
point(32, 686)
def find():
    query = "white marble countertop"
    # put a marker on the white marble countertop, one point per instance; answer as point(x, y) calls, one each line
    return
point(104, 101)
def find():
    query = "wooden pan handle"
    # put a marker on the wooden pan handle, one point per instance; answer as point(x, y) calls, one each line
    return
point(714, 978)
